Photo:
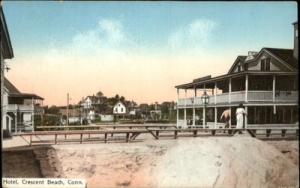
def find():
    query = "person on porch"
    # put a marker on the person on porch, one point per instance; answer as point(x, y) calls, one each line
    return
point(240, 116)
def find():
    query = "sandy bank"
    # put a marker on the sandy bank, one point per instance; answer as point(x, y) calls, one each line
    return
point(238, 161)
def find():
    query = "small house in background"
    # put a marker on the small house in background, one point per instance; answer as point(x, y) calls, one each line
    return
point(88, 104)
point(119, 109)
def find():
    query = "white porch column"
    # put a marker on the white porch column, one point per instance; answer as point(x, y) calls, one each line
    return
point(185, 98)
point(9, 124)
point(273, 88)
point(274, 91)
point(216, 112)
point(246, 88)
point(229, 91)
point(177, 107)
point(203, 114)
point(230, 117)
point(16, 121)
point(194, 115)
point(215, 92)
point(32, 115)
point(246, 117)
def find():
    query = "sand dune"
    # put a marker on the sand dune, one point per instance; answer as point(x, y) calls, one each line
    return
point(239, 161)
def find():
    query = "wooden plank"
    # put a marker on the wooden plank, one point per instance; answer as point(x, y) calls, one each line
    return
point(127, 137)
point(283, 132)
point(195, 133)
point(134, 136)
point(30, 140)
point(105, 138)
point(157, 134)
point(153, 134)
point(55, 139)
point(252, 132)
point(268, 132)
point(213, 132)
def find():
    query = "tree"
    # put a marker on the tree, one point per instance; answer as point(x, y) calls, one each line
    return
point(99, 94)
point(52, 110)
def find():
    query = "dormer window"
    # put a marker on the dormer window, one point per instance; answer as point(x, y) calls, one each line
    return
point(239, 68)
point(245, 66)
point(265, 64)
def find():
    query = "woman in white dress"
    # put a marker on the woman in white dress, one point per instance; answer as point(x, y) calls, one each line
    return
point(240, 112)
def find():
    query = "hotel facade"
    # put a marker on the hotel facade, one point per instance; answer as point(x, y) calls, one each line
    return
point(265, 82)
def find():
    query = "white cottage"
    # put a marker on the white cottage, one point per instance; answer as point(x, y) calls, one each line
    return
point(119, 109)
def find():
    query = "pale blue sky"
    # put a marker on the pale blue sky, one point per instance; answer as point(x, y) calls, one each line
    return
point(137, 49)
point(245, 23)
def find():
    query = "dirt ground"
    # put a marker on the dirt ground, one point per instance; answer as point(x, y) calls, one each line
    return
point(238, 161)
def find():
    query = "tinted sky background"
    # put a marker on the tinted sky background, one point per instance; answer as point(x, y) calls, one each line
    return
point(140, 50)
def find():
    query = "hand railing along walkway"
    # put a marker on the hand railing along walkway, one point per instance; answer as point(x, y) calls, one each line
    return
point(156, 130)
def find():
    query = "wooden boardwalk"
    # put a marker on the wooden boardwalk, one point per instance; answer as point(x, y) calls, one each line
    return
point(131, 132)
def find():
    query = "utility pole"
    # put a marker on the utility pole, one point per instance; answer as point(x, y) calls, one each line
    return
point(68, 98)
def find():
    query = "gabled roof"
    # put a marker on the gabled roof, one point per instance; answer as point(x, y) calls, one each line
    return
point(14, 92)
point(285, 55)
point(239, 58)
point(10, 87)
point(121, 103)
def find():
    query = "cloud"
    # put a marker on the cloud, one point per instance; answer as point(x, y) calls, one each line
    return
point(107, 58)
point(193, 35)
point(108, 34)
point(113, 29)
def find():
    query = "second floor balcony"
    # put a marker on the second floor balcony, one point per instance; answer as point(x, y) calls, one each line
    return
point(242, 97)
point(24, 108)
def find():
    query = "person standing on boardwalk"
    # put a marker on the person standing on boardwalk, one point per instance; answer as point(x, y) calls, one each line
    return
point(225, 117)
point(240, 113)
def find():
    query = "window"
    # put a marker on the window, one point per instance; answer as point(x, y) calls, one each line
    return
point(265, 64)
point(239, 68)
point(262, 64)
point(245, 66)
point(268, 62)
point(121, 109)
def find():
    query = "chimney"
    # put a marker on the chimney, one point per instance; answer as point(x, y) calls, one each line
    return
point(251, 55)
point(295, 53)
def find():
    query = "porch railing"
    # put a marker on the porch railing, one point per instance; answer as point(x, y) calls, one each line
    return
point(260, 96)
point(240, 96)
point(19, 107)
point(285, 96)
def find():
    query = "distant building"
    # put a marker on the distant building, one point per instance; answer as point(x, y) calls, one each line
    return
point(119, 109)
point(89, 102)
point(266, 82)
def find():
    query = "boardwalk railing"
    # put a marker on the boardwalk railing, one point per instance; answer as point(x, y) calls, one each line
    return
point(132, 134)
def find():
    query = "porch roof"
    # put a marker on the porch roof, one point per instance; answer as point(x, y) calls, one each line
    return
point(208, 81)
point(25, 96)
